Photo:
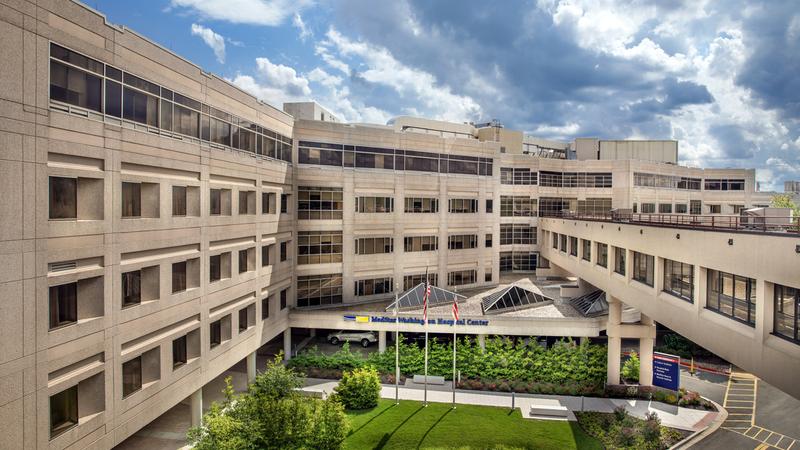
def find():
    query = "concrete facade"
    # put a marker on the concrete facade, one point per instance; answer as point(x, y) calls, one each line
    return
point(205, 273)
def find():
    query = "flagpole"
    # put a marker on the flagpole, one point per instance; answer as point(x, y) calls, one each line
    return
point(425, 317)
point(454, 362)
point(396, 351)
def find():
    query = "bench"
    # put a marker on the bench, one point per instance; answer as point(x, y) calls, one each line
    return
point(420, 379)
point(549, 410)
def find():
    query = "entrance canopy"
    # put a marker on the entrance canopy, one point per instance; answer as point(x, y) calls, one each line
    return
point(512, 298)
point(412, 298)
point(592, 304)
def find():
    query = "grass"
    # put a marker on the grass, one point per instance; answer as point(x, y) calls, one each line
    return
point(410, 425)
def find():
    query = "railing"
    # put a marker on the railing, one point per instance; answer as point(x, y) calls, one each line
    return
point(718, 222)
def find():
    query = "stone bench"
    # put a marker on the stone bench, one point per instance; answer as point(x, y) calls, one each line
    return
point(420, 379)
point(549, 410)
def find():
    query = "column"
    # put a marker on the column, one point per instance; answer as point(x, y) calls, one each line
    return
point(583, 339)
point(614, 339)
point(196, 407)
point(646, 354)
point(482, 341)
point(251, 367)
point(381, 341)
point(312, 332)
point(287, 344)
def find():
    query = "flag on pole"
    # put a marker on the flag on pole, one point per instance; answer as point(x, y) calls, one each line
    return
point(425, 301)
point(455, 309)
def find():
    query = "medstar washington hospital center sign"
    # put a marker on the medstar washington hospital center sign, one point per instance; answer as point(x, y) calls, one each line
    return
point(412, 320)
point(666, 371)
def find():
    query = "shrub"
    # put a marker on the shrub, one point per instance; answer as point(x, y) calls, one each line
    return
point(620, 413)
point(630, 370)
point(277, 381)
point(651, 430)
point(626, 437)
point(330, 426)
point(504, 387)
point(671, 399)
point(359, 388)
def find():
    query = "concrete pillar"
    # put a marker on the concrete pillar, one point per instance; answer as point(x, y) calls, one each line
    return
point(287, 344)
point(614, 339)
point(646, 354)
point(583, 339)
point(313, 332)
point(482, 341)
point(381, 341)
point(251, 367)
point(196, 407)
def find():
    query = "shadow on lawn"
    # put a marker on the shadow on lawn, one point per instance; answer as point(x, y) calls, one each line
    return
point(385, 439)
point(422, 439)
point(352, 432)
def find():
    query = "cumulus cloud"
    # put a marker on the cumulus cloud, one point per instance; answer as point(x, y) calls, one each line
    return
point(252, 12)
point(212, 39)
point(298, 23)
point(274, 83)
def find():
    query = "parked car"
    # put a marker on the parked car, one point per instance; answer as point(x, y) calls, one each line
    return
point(365, 338)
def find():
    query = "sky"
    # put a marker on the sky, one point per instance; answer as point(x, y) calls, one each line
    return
point(721, 77)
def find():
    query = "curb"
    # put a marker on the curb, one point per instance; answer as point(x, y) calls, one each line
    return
point(698, 436)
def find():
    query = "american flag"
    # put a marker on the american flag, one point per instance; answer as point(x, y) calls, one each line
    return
point(425, 302)
point(455, 309)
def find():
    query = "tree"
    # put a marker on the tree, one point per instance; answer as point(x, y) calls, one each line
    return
point(359, 388)
point(785, 201)
point(630, 370)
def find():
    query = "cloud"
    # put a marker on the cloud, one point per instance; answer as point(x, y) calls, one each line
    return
point(298, 23)
point(274, 83)
point(212, 39)
point(250, 12)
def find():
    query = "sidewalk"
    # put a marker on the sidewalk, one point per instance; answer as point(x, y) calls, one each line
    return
point(671, 416)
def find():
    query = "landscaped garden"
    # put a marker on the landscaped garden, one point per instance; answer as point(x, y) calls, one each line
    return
point(620, 430)
point(410, 425)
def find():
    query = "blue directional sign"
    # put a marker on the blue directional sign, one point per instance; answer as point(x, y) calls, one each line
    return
point(666, 371)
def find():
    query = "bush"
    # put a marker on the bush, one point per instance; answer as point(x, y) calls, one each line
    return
point(620, 413)
point(359, 388)
point(330, 426)
point(651, 430)
point(630, 370)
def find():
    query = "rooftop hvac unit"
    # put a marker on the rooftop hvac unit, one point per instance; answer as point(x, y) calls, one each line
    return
point(766, 218)
point(622, 214)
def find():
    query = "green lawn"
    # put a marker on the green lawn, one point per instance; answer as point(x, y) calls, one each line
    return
point(409, 425)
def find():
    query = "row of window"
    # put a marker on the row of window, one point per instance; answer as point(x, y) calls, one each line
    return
point(339, 155)
point(517, 234)
point(82, 81)
point(556, 206)
point(575, 179)
point(518, 261)
point(520, 176)
point(666, 181)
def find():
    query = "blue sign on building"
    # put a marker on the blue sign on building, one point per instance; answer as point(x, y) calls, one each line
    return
point(666, 371)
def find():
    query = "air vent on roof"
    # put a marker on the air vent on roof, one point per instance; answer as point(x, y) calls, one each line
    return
point(62, 266)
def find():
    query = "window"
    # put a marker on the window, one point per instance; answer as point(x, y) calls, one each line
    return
point(215, 333)
point(518, 261)
point(63, 198)
point(586, 252)
point(319, 247)
point(220, 202)
point(420, 243)
point(665, 208)
point(63, 305)
point(665, 181)
point(215, 263)
point(643, 268)
point(131, 288)
point(244, 318)
point(679, 279)
point(374, 204)
point(421, 205)
point(724, 185)
point(317, 290)
point(284, 203)
point(178, 200)
point(284, 296)
point(602, 254)
point(284, 251)
point(520, 234)
point(517, 206)
point(518, 176)
point(63, 411)
point(265, 308)
point(266, 251)
point(555, 238)
point(787, 312)
point(131, 376)
point(648, 208)
point(131, 200)
point(318, 203)
point(179, 353)
point(74, 86)
point(267, 203)
point(591, 206)
point(244, 202)
point(714, 209)
point(372, 246)
point(732, 295)
point(573, 179)
point(374, 286)
point(410, 281)
point(140, 107)
point(487, 275)
point(573, 246)
point(488, 240)
point(178, 277)
point(244, 260)
point(562, 240)
point(619, 260)
point(463, 205)
point(462, 241)
point(556, 207)
point(695, 207)
point(462, 277)
point(489, 206)
point(737, 209)
point(681, 208)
